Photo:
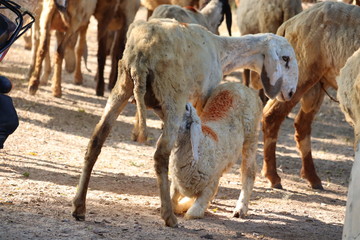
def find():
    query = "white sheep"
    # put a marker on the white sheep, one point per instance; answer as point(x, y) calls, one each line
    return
point(324, 37)
point(349, 97)
point(165, 64)
point(210, 16)
point(207, 146)
point(263, 16)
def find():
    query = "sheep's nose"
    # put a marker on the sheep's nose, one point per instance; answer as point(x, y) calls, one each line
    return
point(291, 93)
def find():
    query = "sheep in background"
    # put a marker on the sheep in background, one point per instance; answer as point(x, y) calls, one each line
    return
point(323, 37)
point(263, 16)
point(210, 16)
point(150, 5)
point(75, 16)
point(349, 97)
point(165, 64)
point(206, 147)
point(113, 16)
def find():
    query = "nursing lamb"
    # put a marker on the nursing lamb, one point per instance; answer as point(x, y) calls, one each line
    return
point(226, 131)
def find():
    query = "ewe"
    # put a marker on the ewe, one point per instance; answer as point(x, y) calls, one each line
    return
point(226, 131)
point(165, 64)
point(323, 37)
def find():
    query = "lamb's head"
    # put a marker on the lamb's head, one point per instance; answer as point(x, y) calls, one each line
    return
point(191, 124)
point(279, 73)
point(214, 11)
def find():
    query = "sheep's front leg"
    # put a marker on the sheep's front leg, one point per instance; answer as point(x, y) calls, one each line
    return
point(310, 105)
point(78, 78)
point(43, 45)
point(115, 104)
point(248, 172)
point(197, 210)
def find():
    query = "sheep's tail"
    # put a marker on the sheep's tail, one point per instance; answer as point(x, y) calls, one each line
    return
point(195, 132)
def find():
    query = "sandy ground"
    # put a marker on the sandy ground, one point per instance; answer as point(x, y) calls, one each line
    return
point(41, 163)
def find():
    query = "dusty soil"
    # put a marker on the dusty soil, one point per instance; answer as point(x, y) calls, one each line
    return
point(41, 163)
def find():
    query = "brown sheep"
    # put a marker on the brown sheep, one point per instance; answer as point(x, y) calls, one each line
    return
point(323, 37)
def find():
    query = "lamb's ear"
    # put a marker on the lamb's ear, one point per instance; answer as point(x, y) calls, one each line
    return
point(195, 133)
point(271, 73)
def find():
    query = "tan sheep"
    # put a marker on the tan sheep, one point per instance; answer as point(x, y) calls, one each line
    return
point(207, 146)
point(323, 37)
point(74, 16)
point(150, 5)
point(349, 97)
point(114, 17)
point(165, 64)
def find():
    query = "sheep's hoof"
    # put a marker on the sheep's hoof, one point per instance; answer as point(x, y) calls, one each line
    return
point(78, 80)
point(277, 186)
point(56, 93)
point(78, 217)
point(189, 216)
point(317, 186)
point(239, 214)
point(32, 89)
point(171, 221)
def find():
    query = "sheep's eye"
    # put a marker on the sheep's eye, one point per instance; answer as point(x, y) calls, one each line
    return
point(286, 58)
point(188, 125)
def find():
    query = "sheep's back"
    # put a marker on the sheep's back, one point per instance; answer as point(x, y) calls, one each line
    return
point(173, 53)
point(349, 91)
point(323, 37)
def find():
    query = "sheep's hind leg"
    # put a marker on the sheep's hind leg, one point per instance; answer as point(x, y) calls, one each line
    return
point(248, 173)
point(115, 104)
point(310, 105)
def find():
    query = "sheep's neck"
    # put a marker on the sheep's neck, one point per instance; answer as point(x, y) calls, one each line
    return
point(242, 52)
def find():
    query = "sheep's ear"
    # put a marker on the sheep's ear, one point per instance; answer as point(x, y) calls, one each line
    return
point(271, 74)
point(61, 5)
point(195, 133)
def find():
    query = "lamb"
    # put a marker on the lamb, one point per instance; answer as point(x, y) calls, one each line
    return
point(320, 36)
point(75, 15)
point(165, 64)
point(349, 98)
point(263, 16)
point(210, 16)
point(210, 144)
point(113, 16)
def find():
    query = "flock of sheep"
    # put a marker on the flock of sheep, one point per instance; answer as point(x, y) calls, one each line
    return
point(173, 63)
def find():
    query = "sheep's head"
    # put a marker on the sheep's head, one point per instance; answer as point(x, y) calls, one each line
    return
point(192, 124)
point(215, 11)
point(279, 74)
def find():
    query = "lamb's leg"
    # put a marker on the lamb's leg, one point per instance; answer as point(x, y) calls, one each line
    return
point(140, 118)
point(115, 104)
point(78, 78)
point(69, 55)
point(135, 131)
point(248, 172)
point(101, 57)
point(43, 46)
point(47, 69)
point(310, 105)
point(201, 203)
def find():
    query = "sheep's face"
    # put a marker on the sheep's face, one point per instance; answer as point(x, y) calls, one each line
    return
point(280, 71)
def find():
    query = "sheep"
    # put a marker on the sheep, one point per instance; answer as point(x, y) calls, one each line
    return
point(210, 16)
point(209, 145)
point(166, 64)
point(151, 5)
point(75, 16)
point(263, 16)
point(349, 98)
point(113, 16)
point(323, 37)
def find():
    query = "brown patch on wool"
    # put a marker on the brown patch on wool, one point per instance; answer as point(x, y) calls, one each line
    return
point(190, 8)
point(218, 107)
point(208, 131)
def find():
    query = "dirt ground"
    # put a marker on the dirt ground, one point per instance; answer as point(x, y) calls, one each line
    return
point(41, 163)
